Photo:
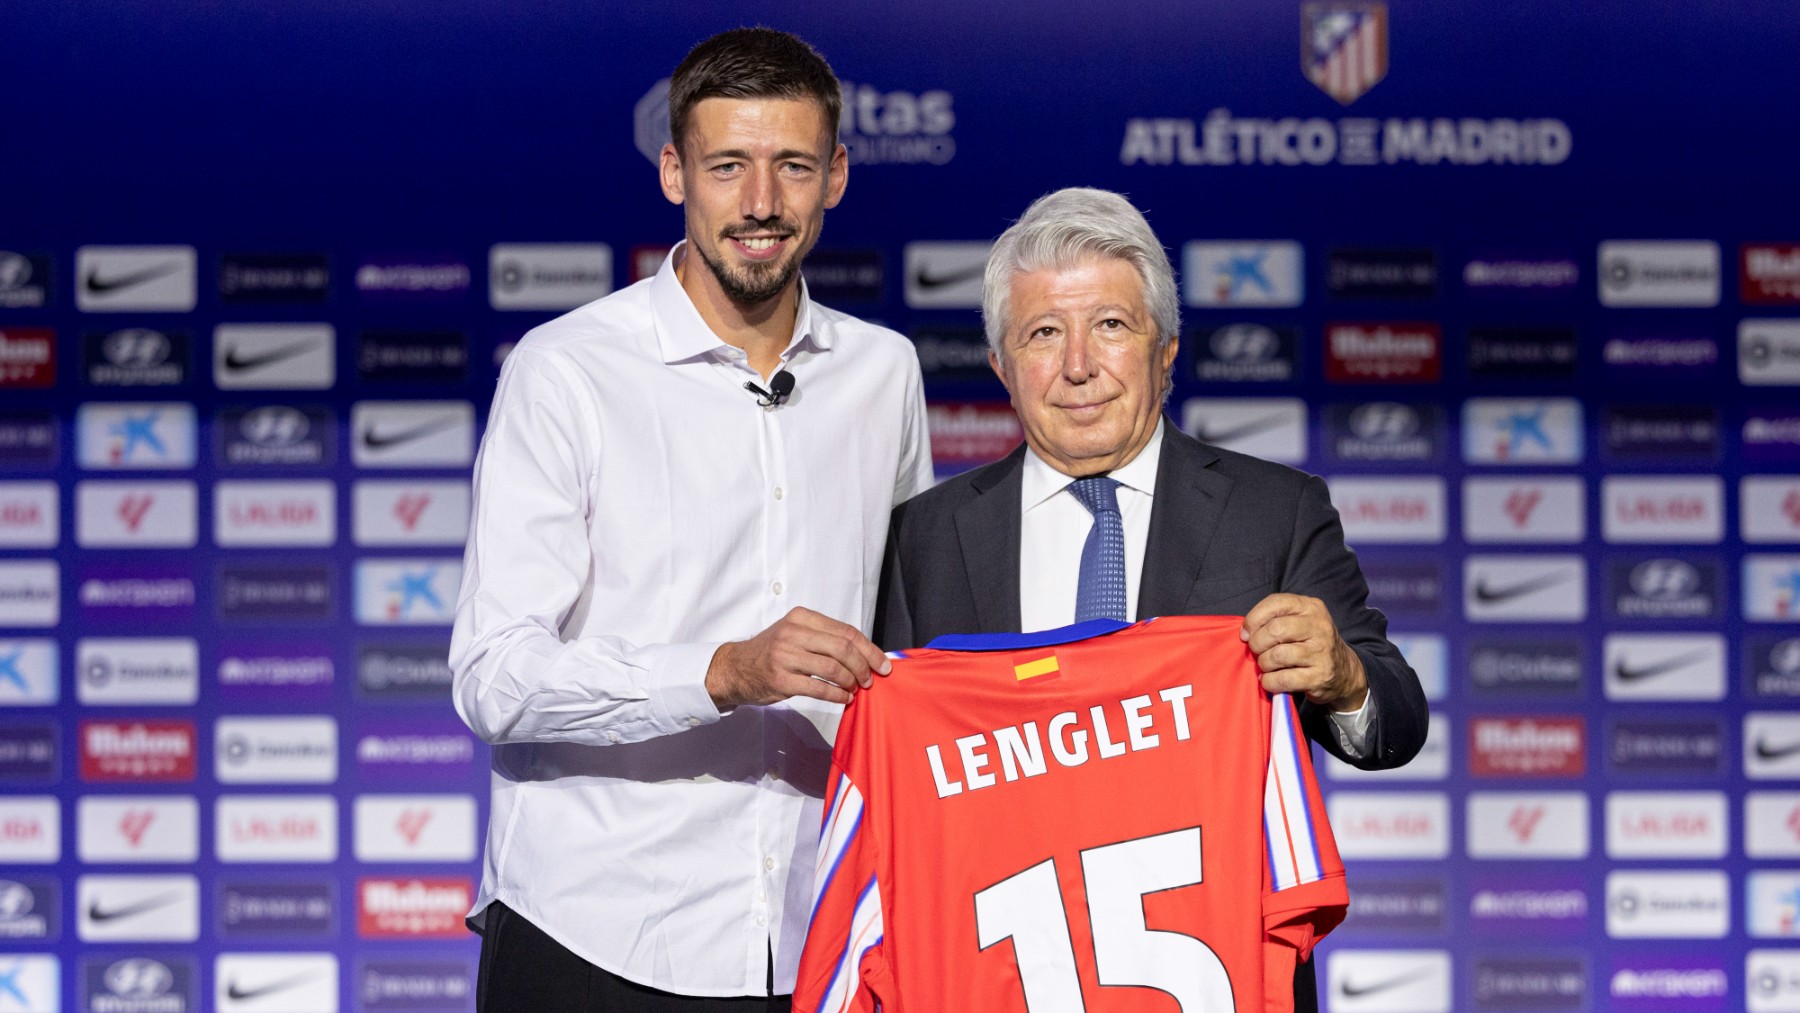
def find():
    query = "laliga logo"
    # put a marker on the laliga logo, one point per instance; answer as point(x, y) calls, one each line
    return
point(412, 823)
point(1524, 821)
point(409, 508)
point(1521, 503)
point(135, 823)
point(132, 510)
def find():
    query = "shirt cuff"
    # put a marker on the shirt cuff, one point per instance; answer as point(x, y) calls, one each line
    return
point(678, 696)
point(1352, 727)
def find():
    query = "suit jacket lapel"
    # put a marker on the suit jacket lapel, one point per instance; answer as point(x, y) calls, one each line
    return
point(1190, 499)
point(987, 528)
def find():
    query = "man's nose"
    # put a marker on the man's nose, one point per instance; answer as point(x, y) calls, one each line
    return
point(1077, 363)
point(762, 198)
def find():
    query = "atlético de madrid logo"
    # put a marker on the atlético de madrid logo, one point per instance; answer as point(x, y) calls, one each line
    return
point(1344, 46)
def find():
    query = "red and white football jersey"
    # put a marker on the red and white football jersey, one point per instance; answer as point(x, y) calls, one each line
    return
point(1064, 822)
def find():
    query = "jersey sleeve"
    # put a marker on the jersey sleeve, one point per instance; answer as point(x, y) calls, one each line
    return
point(1306, 897)
point(843, 966)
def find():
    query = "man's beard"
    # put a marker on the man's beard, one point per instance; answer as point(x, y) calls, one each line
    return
point(754, 284)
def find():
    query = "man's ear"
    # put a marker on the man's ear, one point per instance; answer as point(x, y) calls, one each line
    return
point(668, 168)
point(839, 176)
point(999, 370)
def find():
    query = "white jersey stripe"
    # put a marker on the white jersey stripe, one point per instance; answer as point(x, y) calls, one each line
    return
point(845, 820)
point(1285, 800)
point(865, 932)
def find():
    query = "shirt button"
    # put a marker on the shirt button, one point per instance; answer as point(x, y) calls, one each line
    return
point(769, 863)
point(775, 587)
point(613, 737)
point(693, 722)
point(760, 920)
point(778, 492)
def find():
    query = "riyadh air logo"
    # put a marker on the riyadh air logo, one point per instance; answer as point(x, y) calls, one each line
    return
point(1344, 47)
point(1522, 431)
point(1388, 981)
point(112, 279)
point(406, 592)
point(136, 435)
point(1265, 274)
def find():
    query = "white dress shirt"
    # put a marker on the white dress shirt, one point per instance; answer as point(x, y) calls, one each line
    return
point(634, 509)
point(1053, 526)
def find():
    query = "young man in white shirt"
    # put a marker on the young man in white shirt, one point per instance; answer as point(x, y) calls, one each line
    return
point(668, 471)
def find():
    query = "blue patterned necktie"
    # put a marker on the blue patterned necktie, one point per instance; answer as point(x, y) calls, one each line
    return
point(1100, 594)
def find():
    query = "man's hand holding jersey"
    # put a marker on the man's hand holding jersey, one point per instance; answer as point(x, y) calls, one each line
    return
point(803, 654)
point(1298, 648)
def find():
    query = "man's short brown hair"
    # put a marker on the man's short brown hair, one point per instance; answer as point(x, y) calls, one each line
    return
point(752, 63)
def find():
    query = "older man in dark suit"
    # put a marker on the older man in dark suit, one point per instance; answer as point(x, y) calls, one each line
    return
point(1107, 506)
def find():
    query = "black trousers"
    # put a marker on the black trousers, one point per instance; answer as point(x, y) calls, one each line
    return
point(525, 971)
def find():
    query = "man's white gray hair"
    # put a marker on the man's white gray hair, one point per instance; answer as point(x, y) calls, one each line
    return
point(1062, 229)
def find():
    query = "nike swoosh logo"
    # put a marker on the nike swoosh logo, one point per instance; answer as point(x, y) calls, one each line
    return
point(1626, 673)
point(1493, 595)
point(236, 991)
point(375, 441)
point(100, 286)
point(238, 362)
point(1251, 428)
point(98, 914)
point(923, 278)
point(1350, 991)
point(1764, 751)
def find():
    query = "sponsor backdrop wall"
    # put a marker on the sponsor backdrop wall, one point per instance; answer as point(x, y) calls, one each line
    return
point(1520, 280)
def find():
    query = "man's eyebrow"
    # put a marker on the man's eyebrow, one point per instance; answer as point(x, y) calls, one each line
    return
point(784, 155)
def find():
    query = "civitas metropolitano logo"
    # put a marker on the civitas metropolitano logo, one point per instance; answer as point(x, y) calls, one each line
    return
point(879, 125)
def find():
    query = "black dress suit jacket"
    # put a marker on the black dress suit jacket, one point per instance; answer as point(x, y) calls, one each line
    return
point(1226, 530)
